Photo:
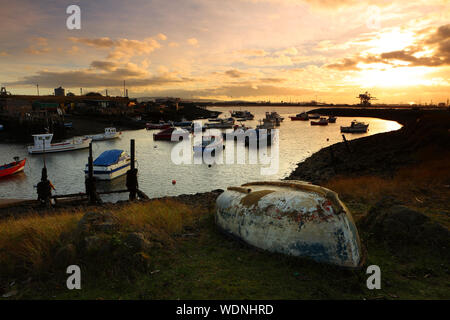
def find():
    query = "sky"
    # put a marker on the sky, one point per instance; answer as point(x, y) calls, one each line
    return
point(256, 50)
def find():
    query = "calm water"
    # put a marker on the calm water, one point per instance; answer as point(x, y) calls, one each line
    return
point(297, 141)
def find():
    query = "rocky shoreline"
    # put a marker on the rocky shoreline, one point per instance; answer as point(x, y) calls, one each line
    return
point(381, 154)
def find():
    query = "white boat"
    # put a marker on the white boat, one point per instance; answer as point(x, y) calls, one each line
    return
point(110, 133)
point(209, 144)
point(42, 144)
point(356, 127)
point(110, 164)
point(291, 217)
point(222, 124)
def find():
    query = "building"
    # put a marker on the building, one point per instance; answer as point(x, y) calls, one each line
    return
point(59, 92)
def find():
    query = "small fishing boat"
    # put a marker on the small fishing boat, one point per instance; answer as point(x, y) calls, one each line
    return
point(42, 144)
point(355, 127)
point(182, 123)
point(322, 122)
point(291, 217)
point(332, 119)
point(13, 167)
point(274, 116)
point(222, 124)
point(244, 115)
point(209, 144)
point(160, 126)
point(110, 133)
point(300, 116)
point(313, 116)
point(110, 164)
point(167, 134)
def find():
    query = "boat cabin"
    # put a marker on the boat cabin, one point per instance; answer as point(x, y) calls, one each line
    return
point(43, 141)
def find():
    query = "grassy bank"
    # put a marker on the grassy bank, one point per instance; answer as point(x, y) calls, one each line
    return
point(188, 258)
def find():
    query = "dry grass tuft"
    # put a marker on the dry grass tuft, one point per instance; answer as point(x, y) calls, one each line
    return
point(29, 243)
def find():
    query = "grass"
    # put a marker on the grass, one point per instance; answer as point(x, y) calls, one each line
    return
point(210, 265)
point(424, 186)
point(193, 260)
point(28, 245)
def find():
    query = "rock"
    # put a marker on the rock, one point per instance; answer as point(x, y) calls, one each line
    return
point(397, 224)
point(93, 222)
point(96, 243)
point(66, 255)
point(137, 242)
point(141, 261)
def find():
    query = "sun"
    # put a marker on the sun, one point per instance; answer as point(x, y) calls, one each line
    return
point(381, 75)
point(388, 41)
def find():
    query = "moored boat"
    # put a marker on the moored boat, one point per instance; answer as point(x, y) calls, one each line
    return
point(161, 125)
point(313, 116)
point(12, 167)
point(332, 119)
point(355, 127)
point(245, 115)
point(110, 133)
point(222, 124)
point(209, 144)
point(322, 122)
point(42, 144)
point(300, 116)
point(110, 164)
point(291, 217)
point(167, 134)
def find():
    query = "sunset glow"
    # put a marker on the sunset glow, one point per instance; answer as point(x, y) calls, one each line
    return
point(249, 50)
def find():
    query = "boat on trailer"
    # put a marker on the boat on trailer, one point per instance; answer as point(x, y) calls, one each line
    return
point(12, 167)
point(293, 218)
point(110, 164)
point(43, 144)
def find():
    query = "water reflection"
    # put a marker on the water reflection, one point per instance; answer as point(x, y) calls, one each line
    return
point(297, 141)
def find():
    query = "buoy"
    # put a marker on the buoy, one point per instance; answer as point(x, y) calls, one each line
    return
point(174, 182)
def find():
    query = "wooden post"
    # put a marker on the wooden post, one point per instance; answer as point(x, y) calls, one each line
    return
point(132, 150)
point(132, 184)
point(91, 190)
point(346, 144)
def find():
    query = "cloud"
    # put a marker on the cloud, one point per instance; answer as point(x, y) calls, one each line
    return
point(104, 42)
point(104, 65)
point(233, 73)
point(121, 49)
point(111, 75)
point(346, 64)
point(192, 41)
point(252, 52)
point(38, 46)
point(433, 50)
point(162, 36)
point(174, 44)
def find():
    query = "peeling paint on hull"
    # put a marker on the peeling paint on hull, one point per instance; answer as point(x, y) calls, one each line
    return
point(294, 218)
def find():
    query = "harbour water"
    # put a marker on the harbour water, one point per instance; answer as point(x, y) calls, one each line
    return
point(297, 141)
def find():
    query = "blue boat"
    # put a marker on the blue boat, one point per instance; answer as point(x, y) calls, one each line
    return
point(110, 164)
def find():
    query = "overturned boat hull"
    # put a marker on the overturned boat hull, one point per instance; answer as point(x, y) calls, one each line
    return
point(291, 217)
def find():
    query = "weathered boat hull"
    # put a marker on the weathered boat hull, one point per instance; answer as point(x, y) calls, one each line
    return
point(291, 217)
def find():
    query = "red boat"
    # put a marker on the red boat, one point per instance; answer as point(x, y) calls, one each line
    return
point(321, 122)
point(301, 116)
point(168, 133)
point(13, 167)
